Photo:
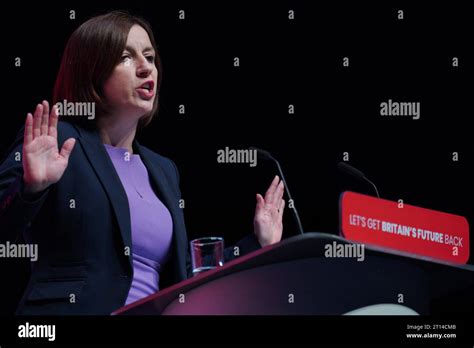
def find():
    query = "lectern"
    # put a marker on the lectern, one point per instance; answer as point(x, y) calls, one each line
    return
point(299, 277)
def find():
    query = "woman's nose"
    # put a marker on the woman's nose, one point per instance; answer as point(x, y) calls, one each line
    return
point(144, 68)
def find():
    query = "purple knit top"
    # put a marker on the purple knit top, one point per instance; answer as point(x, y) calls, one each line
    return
point(152, 226)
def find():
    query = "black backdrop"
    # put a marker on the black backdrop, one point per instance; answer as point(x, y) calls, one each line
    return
point(282, 62)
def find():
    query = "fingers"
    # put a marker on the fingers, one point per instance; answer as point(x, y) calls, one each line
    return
point(43, 123)
point(260, 202)
point(53, 122)
point(269, 195)
point(277, 196)
point(28, 135)
point(280, 209)
point(274, 193)
point(45, 118)
point(67, 148)
point(279, 192)
point(37, 121)
point(273, 201)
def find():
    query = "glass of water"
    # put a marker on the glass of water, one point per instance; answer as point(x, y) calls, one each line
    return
point(207, 253)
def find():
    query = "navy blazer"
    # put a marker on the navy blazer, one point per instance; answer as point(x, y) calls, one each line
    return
point(82, 227)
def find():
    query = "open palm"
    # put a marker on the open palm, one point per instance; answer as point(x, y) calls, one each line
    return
point(43, 164)
point(268, 218)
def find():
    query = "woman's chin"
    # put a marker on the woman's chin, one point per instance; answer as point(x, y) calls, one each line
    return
point(143, 108)
point(147, 104)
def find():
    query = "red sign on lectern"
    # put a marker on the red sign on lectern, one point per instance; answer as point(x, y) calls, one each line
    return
point(404, 227)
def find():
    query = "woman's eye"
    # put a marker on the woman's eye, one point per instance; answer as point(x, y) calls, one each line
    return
point(125, 58)
point(151, 59)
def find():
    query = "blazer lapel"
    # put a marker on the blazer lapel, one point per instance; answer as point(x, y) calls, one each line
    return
point(105, 170)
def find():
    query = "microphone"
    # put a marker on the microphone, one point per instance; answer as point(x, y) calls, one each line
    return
point(347, 168)
point(267, 155)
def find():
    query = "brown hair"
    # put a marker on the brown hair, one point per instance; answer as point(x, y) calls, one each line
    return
point(90, 56)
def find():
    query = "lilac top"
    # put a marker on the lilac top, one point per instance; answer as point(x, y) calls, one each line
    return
point(152, 226)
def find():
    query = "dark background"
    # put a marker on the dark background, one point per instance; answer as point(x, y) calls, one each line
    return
point(282, 62)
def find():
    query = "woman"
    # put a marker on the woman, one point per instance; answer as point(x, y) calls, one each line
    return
point(103, 209)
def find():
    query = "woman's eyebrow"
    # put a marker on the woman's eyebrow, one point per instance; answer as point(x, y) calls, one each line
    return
point(146, 49)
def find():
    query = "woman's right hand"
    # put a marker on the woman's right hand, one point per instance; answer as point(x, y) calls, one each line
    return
point(43, 164)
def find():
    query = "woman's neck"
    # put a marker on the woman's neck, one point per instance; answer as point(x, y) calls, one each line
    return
point(118, 133)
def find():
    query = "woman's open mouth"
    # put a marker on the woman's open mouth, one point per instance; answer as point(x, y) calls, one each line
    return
point(146, 91)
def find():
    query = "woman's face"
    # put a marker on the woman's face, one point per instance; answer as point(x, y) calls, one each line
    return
point(131, 88)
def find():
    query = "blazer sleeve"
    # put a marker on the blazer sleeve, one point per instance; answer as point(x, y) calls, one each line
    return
point(17, 210)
